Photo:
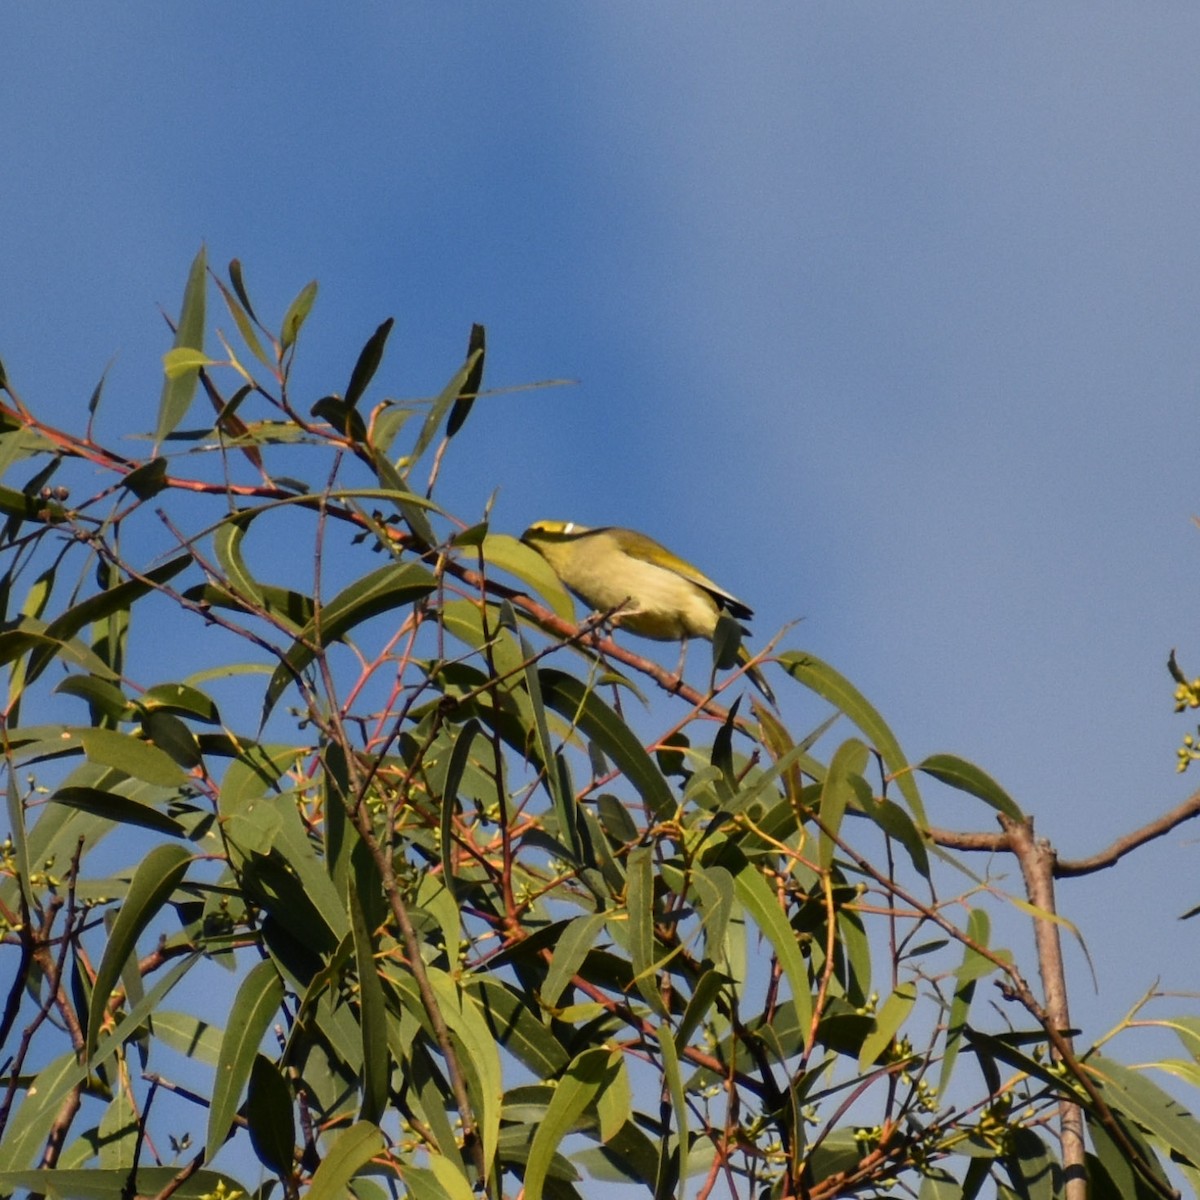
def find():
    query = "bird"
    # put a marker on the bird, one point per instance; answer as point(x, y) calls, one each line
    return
point(656, 594)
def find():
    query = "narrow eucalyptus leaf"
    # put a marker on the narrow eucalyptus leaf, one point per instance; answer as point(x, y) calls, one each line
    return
point(179, 389)
point(270, 1118)
point(297, 314)
point(256, 1003)
point(476, 351)
point(239, 309)
point(150, 888)
point(368, 362)
point(239, 286)
point(118, 808)
point(17, 831)
point(957, 773)
point(372, 1014)
point(821, 678)
point(342, 416)
point(97, 391)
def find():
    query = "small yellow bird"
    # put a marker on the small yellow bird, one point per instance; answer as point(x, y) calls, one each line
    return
point(658, 594)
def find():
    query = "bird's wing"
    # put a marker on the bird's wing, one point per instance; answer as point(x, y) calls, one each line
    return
point(640, 546)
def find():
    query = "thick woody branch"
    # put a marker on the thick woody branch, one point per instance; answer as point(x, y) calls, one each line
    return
point(1037, 859)
point(1000, 843)
point(1131, 841)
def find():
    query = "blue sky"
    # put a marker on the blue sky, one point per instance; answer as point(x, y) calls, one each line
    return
point(886, 315)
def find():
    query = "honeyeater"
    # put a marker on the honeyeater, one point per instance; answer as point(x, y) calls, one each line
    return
point(657, 594)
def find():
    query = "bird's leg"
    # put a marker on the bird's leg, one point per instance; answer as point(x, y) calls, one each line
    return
point(611, 623)
point(605, 625)
point(683, 643)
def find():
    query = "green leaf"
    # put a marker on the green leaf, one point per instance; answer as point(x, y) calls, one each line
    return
point(1111, 1174)
point(134, 757)
point(898, 825)
point(761, 902)
point(937, 1184)
point(435, 899)
point(17, 830)
point(1033, 1170)
point(26, 1128)
point(98, 390)
point(855, 950)
point(118, 1133)
point(188, 1035)
point(598, 854)
point(479, 1057)
point(420, 1183)
point(289, 608)
point(821, 678)
point(181, 698)
point(270, 1118)
point(579, 1089)
point(639, 906)
point(38, 595)
point(26, 1131)
point(555, 775)
point(973, 967)
point(513, 1025)
point(476, 350)
point(352, 1149)
point(150, 888)
point(297, 314)
point(179, 389)
point(242, 317)
point(147, 480)
point(300, 893)
point(1187, 1029)
point(674, 1082)
point(388, 418)
point(407, 502)
point(459, 757)
point(182, 359)
point(966, 777)
point(570, 698)
point(843, 783)
point(368, 362)
point(427, 1090)
point(239, 286)
point(170, 735)
point(104, 697)
point(726, 642)
point(372, 1014)
point(93, 1184)
point(895, 1011)
point(1142, 1100)
point(342, 840)
point(448, 395)
point(342, 417)
point(1005, 1049)
point(227, 545)
point(121, 809)
point(571, 947)
point(629, 1158)
point(708, 988)
point(451, 1178)
point(255, 1005)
